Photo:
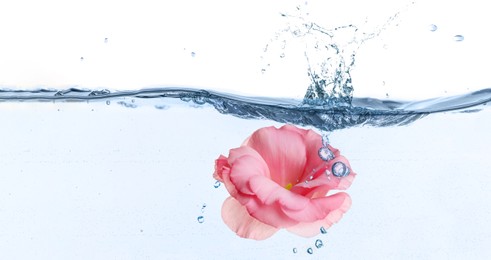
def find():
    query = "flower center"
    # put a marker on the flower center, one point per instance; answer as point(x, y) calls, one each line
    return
point(289, 186)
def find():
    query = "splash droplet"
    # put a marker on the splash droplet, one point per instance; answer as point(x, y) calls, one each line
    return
point(203, 207)
point(323, 230)
point(108, 102)
point(318, 243)
point(217, 184)
point(433, 27)
point(193, 54)
point(295, 250)
point(458, 38)
point(310, 250)
point(105, 40)
point(201, 219)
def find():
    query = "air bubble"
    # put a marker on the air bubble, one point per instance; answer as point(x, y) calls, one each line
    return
point(108, 102)
point(325, 154)
point(325, 140)
point(318, 243)
point(323, 230)
point(310, 250)
point(201, 219)
point(217, 184)
point(433, 27)
point(339, 169)
point(458, 38)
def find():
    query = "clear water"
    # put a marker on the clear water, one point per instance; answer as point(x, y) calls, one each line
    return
point(105, 174)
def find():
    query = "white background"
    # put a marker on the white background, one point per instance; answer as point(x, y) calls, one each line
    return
point(149, 44)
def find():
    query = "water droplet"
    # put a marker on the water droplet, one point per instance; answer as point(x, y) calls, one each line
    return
point(325, 154)
point(217, 184)
point(458, 38)
point(81, 58)
point(203, 207)
point(295, 250)
point(318, 243)
point(201, 219)
point(108, 102)
point(433, 27)
point(310, 250)
point(282, 55)
point(339, 169)
point(105, 40)
point(193, 54)
point(323, 230)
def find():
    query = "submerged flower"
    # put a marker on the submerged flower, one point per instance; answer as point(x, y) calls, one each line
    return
point(277, 179)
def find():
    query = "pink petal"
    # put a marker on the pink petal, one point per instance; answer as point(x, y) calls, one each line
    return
point(246, 164)
point(267, 204)
point(313, 142)
point(283, 151)
point(238, 220)
point(313, 228)
point(221, 164)
point(318, 208)
point(222, 173)
point(321, 184)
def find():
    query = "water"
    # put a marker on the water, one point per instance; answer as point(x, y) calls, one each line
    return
point(420, 191)
point(96, 173)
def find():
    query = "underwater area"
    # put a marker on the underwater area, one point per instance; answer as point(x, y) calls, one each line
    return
point(112, 117)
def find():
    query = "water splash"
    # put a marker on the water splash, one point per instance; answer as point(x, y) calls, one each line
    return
point(329, 52)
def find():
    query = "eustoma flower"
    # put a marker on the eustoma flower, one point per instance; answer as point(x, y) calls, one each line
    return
point(279, 178)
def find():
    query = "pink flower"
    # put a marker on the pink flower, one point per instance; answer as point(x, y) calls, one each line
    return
point(276, 179)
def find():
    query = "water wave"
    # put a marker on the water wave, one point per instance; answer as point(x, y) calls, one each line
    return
point(325, 116)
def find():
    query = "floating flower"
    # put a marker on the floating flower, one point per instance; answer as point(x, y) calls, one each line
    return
point(279, 178)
